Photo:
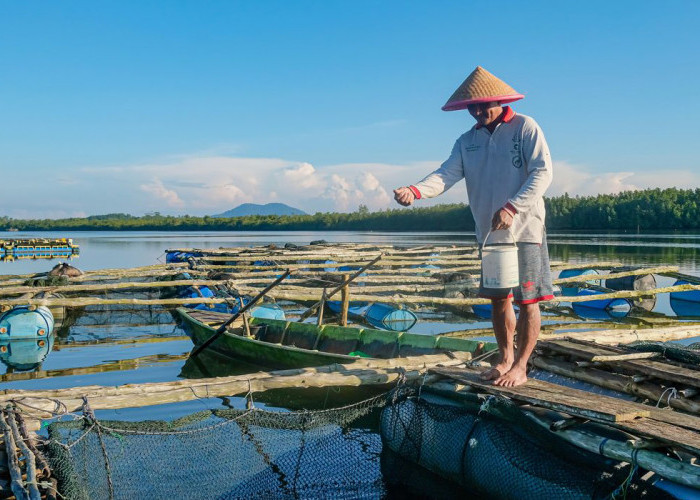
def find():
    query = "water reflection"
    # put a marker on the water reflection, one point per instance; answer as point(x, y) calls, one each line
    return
point(25, 354)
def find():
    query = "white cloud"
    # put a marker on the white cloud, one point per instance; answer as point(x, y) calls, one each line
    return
point(580, 180)
point(303, 176)
point(157, 189)
point(212, 184)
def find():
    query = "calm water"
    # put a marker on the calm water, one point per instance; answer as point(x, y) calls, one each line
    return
point(110, 249)
point(72, 362)
point(90, 350)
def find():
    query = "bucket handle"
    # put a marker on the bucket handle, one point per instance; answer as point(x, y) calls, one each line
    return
point(510, 230)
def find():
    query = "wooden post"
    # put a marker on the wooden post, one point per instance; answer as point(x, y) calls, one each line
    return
point(321, 307)
point(246, 326)
point(345, 296)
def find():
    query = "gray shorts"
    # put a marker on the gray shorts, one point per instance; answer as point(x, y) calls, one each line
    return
point(535, 277)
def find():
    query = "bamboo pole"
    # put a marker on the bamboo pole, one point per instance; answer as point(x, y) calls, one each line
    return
point(635, 272)
point(399, 299)
point(42, 404)
point(322, 265)
point(345, 300)
point(380, 271)
point(29, 459)
point(16, 483)
point(357, 273)
point(614, 337)
point(614, 381)
point(248, 279)
point(104, 287)
point(390, 258)
point(365, 288)
point(351, 248)
point(670, 468)
point(321, 308)
point(244, 316)
point(294, 296)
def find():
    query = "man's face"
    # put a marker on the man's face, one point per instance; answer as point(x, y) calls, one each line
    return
point(485, 113)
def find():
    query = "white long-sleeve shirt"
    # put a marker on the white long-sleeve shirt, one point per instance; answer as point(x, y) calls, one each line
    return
point(510, 168)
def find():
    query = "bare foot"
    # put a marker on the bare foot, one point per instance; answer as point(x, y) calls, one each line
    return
point(514, 377)
point(496, 371)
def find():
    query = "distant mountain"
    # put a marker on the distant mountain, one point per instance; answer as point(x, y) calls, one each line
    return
point(254, 209)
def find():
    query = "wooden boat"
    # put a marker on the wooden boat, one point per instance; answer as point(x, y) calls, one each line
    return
point(286, 344)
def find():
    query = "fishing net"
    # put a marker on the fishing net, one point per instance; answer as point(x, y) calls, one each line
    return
point(475, 450)
point(426, 450)
point(227, 453)
point(689, 354)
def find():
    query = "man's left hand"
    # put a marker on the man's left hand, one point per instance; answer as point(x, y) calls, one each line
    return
point(502, 219)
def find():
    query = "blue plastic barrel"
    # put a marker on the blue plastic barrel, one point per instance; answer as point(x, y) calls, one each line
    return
point(173, 257)
point(390, 317)
point(685, 308)
point(601, 309)
point(484, 310)
point(570, 291)
point(267, 311)
point(689, 296)
point(22, 323)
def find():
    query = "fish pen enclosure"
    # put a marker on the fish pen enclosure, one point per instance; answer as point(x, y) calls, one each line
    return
point(355, 377)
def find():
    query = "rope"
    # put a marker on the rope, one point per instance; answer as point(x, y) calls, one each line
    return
point(672, 393)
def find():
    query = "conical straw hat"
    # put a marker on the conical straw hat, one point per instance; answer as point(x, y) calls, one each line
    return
point(481, 86)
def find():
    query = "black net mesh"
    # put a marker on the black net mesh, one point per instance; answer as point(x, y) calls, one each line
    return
point(495, 460)
point(487, 449)
point(220, 454)
point(689, 354)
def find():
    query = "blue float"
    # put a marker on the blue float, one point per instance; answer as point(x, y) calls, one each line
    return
point(23, 322)
point(685, 304)
point(484, 310)
point(377, 314)
point(689, 296)
point(570, 291)
point(268, 311)
point(174, 257)
point(685, 308)
point(601, 309)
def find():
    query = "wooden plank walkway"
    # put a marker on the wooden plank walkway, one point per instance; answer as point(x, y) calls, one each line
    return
point(664, 425)
point(589, 351)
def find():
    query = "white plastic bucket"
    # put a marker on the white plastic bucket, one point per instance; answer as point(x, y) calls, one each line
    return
point(499, 265)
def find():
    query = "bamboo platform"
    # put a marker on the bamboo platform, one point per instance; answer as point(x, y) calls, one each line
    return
point(400, 277)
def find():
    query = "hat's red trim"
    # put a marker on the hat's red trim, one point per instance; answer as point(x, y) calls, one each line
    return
point(503, 99)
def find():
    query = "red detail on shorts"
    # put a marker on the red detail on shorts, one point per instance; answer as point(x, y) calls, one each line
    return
point(533, 301)
point(415, 192)
point(528, 285)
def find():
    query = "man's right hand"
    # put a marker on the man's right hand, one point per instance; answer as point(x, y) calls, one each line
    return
point(404, 196)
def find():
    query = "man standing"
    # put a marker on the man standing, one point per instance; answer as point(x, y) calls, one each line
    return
point(505, 162)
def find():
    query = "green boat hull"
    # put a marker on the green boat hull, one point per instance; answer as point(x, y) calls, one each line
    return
point(286, 344)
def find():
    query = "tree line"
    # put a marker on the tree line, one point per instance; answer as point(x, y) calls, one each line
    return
point(651, 209)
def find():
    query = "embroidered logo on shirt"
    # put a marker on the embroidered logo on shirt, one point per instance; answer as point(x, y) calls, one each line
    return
point(471, 147)
point(528, 285)
point(516, 157)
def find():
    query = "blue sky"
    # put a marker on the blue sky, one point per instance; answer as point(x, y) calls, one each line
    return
point(198, 106)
